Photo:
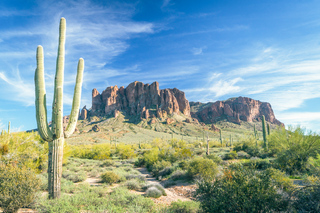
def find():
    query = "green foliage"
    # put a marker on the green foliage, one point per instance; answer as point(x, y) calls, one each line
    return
point(306, 199)
point(18, 187)
point(248, 145)
point(90, 199)
point(293, 149)
point(231, 155)
point(241, 189)
point(74, 176)
point(150, 157)
point(184, 207)
point(257, 163)
point(96, 152)
point(156, 185)
point(153, 192)
point(264, 132)
point(125, 151)
point(133, 184)
point(160, 165)
point(110, 177)
point(24, 149)
point(205, 168)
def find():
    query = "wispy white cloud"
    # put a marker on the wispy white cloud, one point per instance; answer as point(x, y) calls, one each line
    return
point(304, 119)
point(91, 34)
point(197, 51)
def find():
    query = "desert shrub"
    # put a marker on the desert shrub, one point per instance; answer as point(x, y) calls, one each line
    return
point(214, 158)
point(125, 151)
point(199, 152)
point(160, 165)
point(158, 186)
point(150, 157)
point(255, 192)
point(18, 187)
point(153, 192)
point(108, 163)
point(306, 199)
point(231, 155)
point(165, 172)
point(132, 184)
point(110, 177)
point(140, 178)
point(243, 155)
point(260, 164)
point(179, 175)
point(96, 152)
point(95, 199)
point(183, 164)
point(25, 149)
point(139, 162)
point(205, 168)
point(250, 146)
point(168, 183)
point(43, 181)
point(184, 207)
point(94, 173)
point(74, 177)
point(293, 148)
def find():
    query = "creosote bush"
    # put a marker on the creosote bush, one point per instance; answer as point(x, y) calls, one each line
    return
point(110, 177)
point(184, 207)
point(242, 189)
point(153, 192)
point(205, 168)
point(18, 187)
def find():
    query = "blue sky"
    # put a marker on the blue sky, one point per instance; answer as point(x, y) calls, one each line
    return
point(212, 50)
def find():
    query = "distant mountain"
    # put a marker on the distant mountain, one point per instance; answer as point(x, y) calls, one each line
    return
point(148, 101)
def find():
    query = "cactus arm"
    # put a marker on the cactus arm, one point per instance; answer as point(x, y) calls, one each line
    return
point(57, 106)
point(41, 105)
point(76, 101)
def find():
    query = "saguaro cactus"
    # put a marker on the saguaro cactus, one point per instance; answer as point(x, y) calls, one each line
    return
point(208, 152)
point(268, 128)
point(9, 128)
point(220, 137)
point(55, 136)
point(264, 131)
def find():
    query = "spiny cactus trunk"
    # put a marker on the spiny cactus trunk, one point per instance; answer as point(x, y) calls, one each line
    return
point(268, 128)
point(55, 167)
point(9, 127)
point(55, 136)
point(208, 152)
point(264, 131)
point(220, 137)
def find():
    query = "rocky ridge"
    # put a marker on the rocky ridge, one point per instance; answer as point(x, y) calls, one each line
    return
point(148, 101)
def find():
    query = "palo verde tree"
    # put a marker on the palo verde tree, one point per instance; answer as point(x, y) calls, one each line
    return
point(56, 135)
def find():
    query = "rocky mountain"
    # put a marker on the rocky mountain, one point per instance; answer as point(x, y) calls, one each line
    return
point(234, 110)
point(140, 99)
point(148, 101)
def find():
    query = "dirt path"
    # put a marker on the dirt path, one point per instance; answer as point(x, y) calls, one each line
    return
point(172, 195)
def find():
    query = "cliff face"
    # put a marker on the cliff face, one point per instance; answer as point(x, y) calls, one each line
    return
point(137, 98)
point(149, 101)
point(234, 110)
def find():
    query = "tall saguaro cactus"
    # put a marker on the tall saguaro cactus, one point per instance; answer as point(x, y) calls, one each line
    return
point(9, 127)
point(56, 135)
point(264, 131)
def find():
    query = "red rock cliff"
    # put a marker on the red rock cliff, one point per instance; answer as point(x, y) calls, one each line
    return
point(236, 109)
point(137, 98)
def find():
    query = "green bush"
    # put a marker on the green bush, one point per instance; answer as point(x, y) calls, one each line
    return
point(293, 149)
point(215, 158)
point(205, 168)
point(160, 165)
point(132, 184)
point(150, 157)
point(153, 192)
point(110, 177)
point(241, 189)
point(179, 175)
point(231, 155)
point(158, 186)
point(306, 199)
point(18, 187)
point(108, 163)
point(260, 164)
point(125, 151)
point(184, 207)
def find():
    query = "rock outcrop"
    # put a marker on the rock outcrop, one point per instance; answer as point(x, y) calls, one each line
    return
point(84, 113)
point(140, 99)
point(148, 101)
point(234, 110)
